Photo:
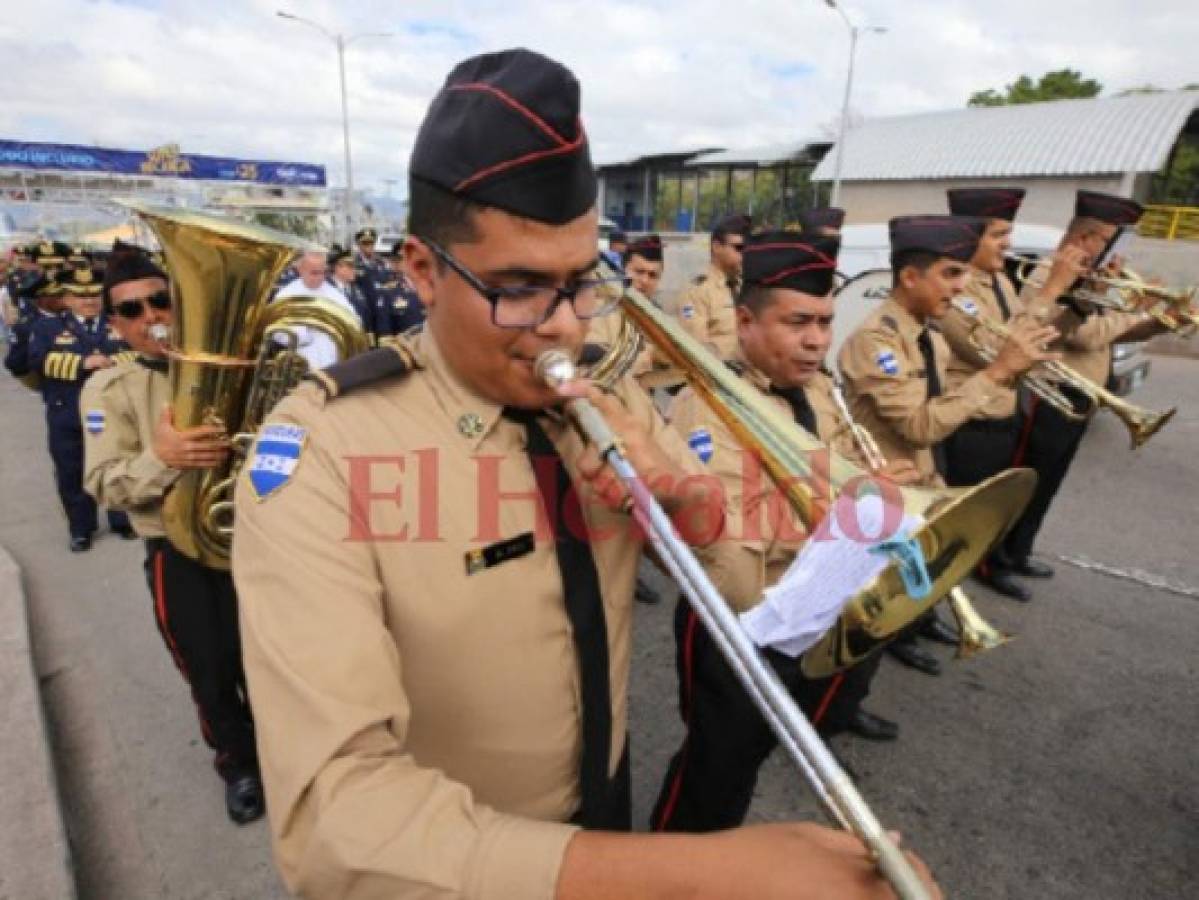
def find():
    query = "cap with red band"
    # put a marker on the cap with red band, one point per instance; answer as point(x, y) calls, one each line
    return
point(987, 203)
point(953, 236)
point(788, 259)
point(1107, 208)
point(504, 131)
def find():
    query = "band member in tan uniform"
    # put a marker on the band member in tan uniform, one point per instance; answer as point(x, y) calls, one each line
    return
point(705, 308)
point(436, 575)
point(1049, 440)
point(133, 456)
point(895, 367)
point(784, 324)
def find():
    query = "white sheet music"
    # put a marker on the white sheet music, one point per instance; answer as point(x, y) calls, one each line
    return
point(829, 570)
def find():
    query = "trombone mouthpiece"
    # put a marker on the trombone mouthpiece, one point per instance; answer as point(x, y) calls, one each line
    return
point(160, 333)
point(554, 367)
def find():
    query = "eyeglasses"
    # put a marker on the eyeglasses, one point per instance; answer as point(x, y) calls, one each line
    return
point(738, 247)
point(528, 305)
point(134, 307)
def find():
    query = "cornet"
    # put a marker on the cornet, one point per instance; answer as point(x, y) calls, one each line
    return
point(1142, 424)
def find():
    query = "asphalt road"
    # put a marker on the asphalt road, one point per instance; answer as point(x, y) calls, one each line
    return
point(1060, 766)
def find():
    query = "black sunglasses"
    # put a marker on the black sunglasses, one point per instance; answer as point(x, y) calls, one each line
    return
point(135, 307)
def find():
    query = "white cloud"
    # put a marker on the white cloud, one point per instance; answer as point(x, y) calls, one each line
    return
point(230, 78)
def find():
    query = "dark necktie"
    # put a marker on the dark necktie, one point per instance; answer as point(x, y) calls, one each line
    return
point(933, 377)
point(584, 609)
point(801, 409)
point(90, 325)
point(1003, 305)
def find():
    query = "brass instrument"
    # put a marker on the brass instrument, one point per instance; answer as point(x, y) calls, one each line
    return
point(1142, 424)
point(960, 526)
point(840, 799)
point(232, 354)
point(975, 634)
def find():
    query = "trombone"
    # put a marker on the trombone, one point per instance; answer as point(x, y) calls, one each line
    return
point(1142, 424)
point(832, 785)
point(975, 634)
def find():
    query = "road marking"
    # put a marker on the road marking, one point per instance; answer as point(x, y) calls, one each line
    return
point(1140, 576)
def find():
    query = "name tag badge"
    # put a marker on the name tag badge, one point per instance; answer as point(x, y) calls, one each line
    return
point(501, 552)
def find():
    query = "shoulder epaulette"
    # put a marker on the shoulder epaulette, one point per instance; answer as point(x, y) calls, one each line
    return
point(388, 361)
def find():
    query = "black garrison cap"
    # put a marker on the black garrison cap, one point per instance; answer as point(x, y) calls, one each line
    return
point(1107, 208)
point(504, 131)
point(128, 262)
point(734, 224)
point(647, 246)
point(788, 259)
point(826, 217)
point(986, 203)
point(953, 236)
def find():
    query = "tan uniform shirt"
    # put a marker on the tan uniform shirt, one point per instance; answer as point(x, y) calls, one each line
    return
point(762, 533)
point(705, 309)
point(418, 717)
point(120, 407)
point(964, 360)
point(888, 388)
point(1086, 343)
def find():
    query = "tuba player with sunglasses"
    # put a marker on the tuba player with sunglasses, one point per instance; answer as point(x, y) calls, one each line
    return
point(133, 456)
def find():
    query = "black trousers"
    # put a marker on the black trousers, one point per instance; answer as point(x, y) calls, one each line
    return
point(710, 782)
point(1047, 444)
point(65, 437)
point(976, 451)
point(196, 611)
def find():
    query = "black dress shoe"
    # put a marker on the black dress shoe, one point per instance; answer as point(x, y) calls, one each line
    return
point(243, 799)
point(125, 534)
point(910, 654)
point(79, 544)
point(1003, 583)
point(1032, 568)
point(643, 593)
point(873, 728)
point(936, 629)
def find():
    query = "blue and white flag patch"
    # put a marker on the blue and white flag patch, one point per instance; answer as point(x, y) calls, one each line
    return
point(276, 455)
point(700, 442)
point(94, 420)
point(887, 362)
point(688, 311)
point(969, 306)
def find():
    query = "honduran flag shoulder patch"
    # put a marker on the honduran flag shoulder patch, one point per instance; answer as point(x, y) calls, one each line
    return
point(700, 442)
point(276, 455)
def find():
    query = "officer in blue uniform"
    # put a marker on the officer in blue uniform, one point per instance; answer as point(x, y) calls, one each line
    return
point(65, 350)
point(398, 307)
point(25, 286)
point(357, 286)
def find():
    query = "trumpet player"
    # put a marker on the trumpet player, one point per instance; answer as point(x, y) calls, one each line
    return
point(784, 330)
point(133, 456)
point(1049, 440)
point(895, 366)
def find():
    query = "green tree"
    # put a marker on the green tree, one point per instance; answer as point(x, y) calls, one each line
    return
point(1063, 84)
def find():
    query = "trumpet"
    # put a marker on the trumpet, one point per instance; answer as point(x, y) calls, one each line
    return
point(1096, 293)
point(975, 634)
point(841, 800)
point(1142, 424)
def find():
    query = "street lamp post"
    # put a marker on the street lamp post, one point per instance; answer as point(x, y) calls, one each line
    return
point(855, 32)
point(341, 42)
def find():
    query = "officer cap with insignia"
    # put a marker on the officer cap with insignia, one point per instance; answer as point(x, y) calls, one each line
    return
point(787, 259)
point(50, 253)
point(1107, 208)
point(127, 262)
point(986, 203)
point(45, 285)
point(366, 235)
point(79, 282)
point(812, 220)
point(504, 131)
point(955, 237)
point(648, 247)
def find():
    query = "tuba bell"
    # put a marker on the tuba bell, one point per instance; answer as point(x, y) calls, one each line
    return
point(232, 354)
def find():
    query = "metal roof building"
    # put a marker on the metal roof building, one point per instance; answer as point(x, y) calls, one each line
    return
point(904, 164)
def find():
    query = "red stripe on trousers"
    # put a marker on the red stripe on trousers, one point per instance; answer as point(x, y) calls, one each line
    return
point(828, 698)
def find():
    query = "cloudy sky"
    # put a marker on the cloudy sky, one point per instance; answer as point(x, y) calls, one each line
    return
point(227, 77)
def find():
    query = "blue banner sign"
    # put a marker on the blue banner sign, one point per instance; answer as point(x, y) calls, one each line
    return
point(162, 162)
